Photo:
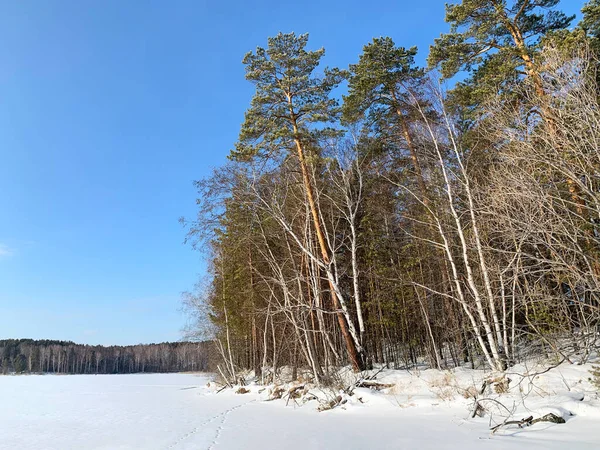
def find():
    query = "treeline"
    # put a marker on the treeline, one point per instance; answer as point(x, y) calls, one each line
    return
point(46, 356)
point(406, 222)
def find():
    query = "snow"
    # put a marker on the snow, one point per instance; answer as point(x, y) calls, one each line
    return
point(179, 411)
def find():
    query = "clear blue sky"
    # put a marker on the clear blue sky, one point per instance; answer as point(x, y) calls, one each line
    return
point(108, 111)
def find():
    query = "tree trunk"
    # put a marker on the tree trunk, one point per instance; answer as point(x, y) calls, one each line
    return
point(355, 357)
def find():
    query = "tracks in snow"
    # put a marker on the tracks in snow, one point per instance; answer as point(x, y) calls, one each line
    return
point(222, 424)
point(223, 416)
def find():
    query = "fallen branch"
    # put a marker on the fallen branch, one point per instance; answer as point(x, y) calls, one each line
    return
point(527, 422)
point(331, 404)
point(378, 386)
point(535, 374)
point(276, 394)
point(294, 393)
point(364, 381)
point(372, 377)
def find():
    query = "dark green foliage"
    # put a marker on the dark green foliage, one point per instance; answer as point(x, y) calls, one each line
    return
point(484, 30)
point(388, 91)
point(591, 18)
point(496, 41)
point(289, 97)
point(380, 83)
point(589, 27)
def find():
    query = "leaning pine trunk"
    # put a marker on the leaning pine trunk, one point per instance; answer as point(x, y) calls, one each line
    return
point(351, 345)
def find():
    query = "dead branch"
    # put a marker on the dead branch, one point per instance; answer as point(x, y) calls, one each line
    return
point(527, 422)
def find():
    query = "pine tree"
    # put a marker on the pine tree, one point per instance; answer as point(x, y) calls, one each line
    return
point(289, 98)
point(383, 85)
point(591, 18)
point(590, 25)
point(290, 110)
point(495, 40)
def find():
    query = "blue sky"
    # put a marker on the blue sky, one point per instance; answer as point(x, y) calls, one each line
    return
point(108, 111)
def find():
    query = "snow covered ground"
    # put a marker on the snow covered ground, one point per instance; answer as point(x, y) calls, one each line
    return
point(178, 411)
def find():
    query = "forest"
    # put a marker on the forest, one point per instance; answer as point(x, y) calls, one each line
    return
point(64, 357)
point(397, 215)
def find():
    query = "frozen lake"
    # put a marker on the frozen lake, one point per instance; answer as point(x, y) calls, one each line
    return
point(178, 412)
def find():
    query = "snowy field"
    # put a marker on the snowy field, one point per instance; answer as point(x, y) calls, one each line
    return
point(180, 412)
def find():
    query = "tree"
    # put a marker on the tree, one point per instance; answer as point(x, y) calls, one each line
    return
point(20, 363)
point(383, 85)
point(290, 110)
point(386, 89)
point(547, 234)
point(591, 19)
point(427, 236)
point(496, 41)
point(29, 356)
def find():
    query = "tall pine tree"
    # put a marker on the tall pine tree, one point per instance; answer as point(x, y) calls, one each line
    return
point(383, 85)
point(496, 41)
point(290, 111)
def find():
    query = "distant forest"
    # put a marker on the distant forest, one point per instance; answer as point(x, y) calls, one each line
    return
point(46, 356)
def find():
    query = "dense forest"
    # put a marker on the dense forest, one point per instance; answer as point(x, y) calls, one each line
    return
point(414, 218)
point(46, 356)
